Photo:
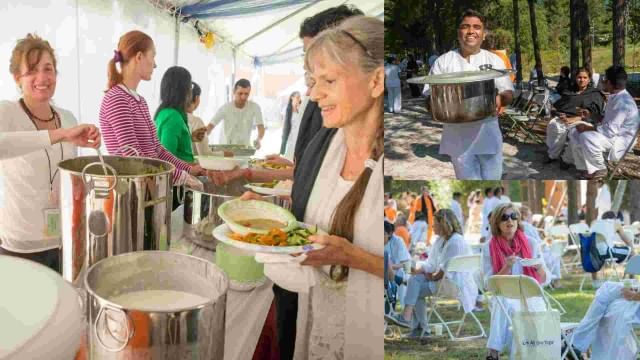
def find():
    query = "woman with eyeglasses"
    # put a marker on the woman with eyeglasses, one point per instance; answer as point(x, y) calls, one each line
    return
point(502, 255)
point(427, 277)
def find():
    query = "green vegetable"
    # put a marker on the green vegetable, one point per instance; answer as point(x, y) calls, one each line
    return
point(300, 236)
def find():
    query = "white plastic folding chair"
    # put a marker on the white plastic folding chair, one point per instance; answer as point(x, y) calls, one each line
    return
point(520, 286)
point(535, 219)
point(576, 230)
point(558, 248)
point(467, 264)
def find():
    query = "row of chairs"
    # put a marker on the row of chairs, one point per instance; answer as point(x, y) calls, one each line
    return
point(520, 118)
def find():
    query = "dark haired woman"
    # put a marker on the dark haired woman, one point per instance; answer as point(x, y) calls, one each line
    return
point(171, 121)
point(291, 122)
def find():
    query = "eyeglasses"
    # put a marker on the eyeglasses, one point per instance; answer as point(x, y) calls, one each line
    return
point(364, 48)
point(506, 217)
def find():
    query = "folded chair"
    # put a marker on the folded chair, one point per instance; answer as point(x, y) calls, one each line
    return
point(520, 286)
point(467, 264)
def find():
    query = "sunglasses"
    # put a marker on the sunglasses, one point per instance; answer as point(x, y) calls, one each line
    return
point(506, 217)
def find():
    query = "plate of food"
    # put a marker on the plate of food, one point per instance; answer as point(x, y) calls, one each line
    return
point(266, 164)
point(530, 262)
point(294, 241)
point(254, 216)
point(275, 187)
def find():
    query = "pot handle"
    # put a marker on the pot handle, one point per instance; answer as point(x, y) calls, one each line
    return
point(127, 320)
point(487, 67)
point(125, 147)
point(90, 181)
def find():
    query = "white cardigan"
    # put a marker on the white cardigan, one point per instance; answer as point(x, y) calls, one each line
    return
point(24, 178)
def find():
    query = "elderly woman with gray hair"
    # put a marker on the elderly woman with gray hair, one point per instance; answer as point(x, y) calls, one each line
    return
point(426, 278)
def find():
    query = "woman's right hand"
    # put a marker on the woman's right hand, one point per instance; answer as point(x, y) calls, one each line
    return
point(510, 260)
point(277, 159)
point(198, 134)
point(224, 177)
point(84, 135)
point(249, 195)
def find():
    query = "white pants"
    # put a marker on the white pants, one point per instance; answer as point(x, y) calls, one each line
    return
point(499, 333)
point(593, 146)
point(478, 166)
point(394, 98)
point(574, 154)
point(417, 289)
point(557, 133)
point(607, 325)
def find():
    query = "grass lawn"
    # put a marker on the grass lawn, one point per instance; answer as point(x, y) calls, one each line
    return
point(575, 303)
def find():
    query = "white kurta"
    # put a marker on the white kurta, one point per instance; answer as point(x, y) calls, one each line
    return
point(479, 137)
point(617, 131)
point(238, 122)
point(418, 232)
point(24, 178)
point(487, 207)
point(603, 200)
point(551, 260)
point(457, 210)
point(346, 320)
point(608, 324)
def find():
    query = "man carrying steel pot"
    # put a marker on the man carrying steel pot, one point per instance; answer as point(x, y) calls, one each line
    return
point(475, 147)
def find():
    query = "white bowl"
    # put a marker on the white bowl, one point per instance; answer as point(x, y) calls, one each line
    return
point(220, 163)
point(234, 211)
point(530, 262)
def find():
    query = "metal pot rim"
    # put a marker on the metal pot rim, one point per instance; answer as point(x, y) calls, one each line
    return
point(458, 77)
point(170, 167)
point(91, 292)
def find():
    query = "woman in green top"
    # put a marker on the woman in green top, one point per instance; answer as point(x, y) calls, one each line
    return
point(171, 117)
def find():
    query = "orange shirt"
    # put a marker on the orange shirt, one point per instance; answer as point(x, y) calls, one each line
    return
point(403, 232)
point(390, 213)
point(502, 54)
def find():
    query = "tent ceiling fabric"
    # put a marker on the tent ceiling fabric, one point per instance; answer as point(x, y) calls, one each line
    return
point(250, 23)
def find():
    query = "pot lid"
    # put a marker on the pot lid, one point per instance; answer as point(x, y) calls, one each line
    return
point(29, 300)
point(459, 77)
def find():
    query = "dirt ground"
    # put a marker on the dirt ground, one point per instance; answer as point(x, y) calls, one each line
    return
point(412, 141)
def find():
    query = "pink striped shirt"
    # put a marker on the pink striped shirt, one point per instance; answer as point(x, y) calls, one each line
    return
point(125, 120)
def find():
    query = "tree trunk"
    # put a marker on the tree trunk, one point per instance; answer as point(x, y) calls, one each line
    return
point(573, 13)
point(585, 35)
point(572, 202)
point(592, 193)
point(539, 195)
point(536, 43)
point(619, 195)
point(634, 207)
point(437, 24)
point(516, 30)
point(531, 196)
point(618, 31)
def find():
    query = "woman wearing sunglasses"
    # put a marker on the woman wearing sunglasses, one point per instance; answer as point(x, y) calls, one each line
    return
point(503, 255)
point(426, 279)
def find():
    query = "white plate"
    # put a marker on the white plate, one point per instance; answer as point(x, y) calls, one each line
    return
point(234, 211)
point(220, 163)
point(268, 191)
point(222, 233)
point(530, 262)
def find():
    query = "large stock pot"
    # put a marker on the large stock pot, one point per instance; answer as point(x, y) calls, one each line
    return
point(462, 97)
point(156, 305)
point(102, 216)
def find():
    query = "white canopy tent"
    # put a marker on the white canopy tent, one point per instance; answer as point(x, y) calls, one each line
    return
point(262, 46)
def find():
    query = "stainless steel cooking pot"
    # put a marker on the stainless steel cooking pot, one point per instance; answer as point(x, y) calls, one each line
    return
point(119, 330)
point(201, 209)
point(461, 97)
point(129, 210)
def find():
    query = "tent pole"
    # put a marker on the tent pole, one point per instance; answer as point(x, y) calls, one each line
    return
point(233, 72)
point(176, 45)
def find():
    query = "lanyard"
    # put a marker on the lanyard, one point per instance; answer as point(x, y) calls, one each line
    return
point(57, 125)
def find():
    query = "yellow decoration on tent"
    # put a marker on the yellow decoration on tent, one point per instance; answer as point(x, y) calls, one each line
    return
point(208, 39)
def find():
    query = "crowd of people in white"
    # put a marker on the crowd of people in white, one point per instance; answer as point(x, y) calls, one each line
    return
point(418, 249)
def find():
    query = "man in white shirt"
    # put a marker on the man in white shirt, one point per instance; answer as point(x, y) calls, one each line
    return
point(615, 134)
point(603, 200)
point(457, 209)
point(475, 148)
point(239, 117)
point(487, 206)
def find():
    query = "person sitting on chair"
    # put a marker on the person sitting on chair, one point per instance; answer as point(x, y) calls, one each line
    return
point(620, 253)
point(501, 256)
point(607, 326)
point(581, 96)
point(616, 133)
point(425, 279)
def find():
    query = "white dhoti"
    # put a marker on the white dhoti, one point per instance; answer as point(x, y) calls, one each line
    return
point(478, 166)
point(607, 325)
point(500, 334)
point(574, 154)
point(557, 133)
point(394, 98)
point(593, 145)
